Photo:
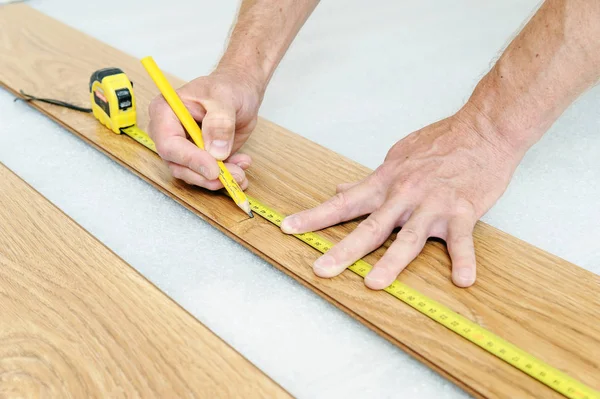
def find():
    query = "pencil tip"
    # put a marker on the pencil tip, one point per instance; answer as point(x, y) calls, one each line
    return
point(246, 208)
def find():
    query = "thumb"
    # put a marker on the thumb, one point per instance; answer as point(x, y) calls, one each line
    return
point(218, 129)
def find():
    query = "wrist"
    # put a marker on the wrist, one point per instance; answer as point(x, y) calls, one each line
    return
point(507, 111)
point(249, 66)
point(242, 78)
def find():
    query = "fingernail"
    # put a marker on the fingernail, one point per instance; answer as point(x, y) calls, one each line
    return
point(237, 177)
point(323, 265)
point(465, 276)
point(243, 165)
point(376, 278)
point(218, 149)
point(290, 225)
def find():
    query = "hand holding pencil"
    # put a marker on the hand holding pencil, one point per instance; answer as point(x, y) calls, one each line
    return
point(194, 131)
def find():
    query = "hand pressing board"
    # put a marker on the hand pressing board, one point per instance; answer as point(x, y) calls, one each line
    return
point(543, 304)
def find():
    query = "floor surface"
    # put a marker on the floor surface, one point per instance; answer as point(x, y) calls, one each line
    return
point(355, 80)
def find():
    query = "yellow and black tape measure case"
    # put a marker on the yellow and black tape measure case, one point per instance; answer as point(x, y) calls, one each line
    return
point(114, 104)
point(112, 99)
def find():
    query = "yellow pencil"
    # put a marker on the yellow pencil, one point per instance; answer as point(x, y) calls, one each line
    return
point(194, 131)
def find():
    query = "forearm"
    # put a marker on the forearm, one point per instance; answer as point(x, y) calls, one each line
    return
point(554, 59)
point(262, 34)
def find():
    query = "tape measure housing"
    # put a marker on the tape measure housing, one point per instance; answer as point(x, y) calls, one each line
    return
point(112, 99)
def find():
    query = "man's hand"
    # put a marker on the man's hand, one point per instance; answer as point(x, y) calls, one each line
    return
point(436, 182)
point(440, 180)
point(226, 103)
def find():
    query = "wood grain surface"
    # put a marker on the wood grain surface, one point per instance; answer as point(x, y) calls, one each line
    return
point(77, 321)
point(545, 305)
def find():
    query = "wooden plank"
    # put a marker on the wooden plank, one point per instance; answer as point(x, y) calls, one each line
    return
point(535, 300)
point(77, 321)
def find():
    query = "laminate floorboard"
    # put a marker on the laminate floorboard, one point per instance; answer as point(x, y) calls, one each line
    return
point(539, 302)
point(77, 321)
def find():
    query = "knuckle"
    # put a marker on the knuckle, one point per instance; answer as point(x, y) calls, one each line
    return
point(342, 251)
point(381, 174)
point(339, 253)
point(176, 172)
point(187, 160)
point(389, 262)
point(343, 187)
point(372, 226)
point(220, 125)
point(156, 105)
point(339, 201)
point(193, 161)
point(164, 149)
point(239, 177)
point(464, 259)
point(249, 126)
point(411, 183)
point(167, 149)
point(464, 209)
point(462, 239)
point(408, 235)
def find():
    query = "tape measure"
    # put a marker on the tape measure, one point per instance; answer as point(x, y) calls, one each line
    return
point(113, 104)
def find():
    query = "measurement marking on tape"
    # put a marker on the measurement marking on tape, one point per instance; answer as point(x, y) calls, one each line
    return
point(140, 136)
point(492, 343)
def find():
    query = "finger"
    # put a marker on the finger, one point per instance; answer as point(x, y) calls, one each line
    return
point(172, 145)
point(180, 150)
point(462, 251)
point(218, 128)
point(193, 178)
point(357, 201)
point(163, 121)
point(408, 244)
point(238, 174)
point(242, 160)
point(368, 235)
point(242, 132)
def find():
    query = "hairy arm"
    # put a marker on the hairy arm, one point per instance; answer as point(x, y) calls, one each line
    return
point(262, 34)
point(553, 60)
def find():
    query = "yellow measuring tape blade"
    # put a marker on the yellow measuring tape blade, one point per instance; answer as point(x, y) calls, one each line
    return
point(140, 136)
point(497, 346)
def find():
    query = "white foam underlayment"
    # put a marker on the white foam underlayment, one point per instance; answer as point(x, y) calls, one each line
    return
point(355, 75)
